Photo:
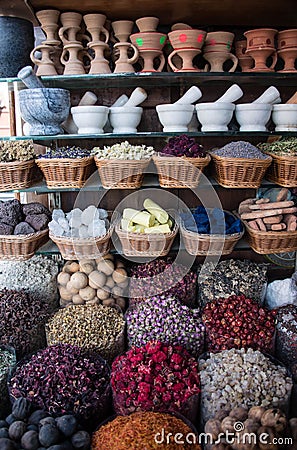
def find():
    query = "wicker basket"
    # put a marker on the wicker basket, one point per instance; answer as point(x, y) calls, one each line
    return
point(121, 174)
point(18, 174)
point(139, 244)
point(176, 172)
point(21, 247)
point(240, 172)
point(66, 172)
point(283, 170)
point(78, 248)
point(266, 242)
point(209, 244)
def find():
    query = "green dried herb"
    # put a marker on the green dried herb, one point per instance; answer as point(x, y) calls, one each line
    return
point(283, 147)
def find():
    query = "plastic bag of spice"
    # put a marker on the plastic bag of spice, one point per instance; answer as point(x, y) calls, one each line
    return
point(7, 362)
point(286, 336)
point(281, 292)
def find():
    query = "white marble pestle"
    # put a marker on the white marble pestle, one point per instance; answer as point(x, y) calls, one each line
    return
point(121, 101)
point(88, 99)
point(138, 96)
point(231, 95)
point(270, 96)
point(191, 96)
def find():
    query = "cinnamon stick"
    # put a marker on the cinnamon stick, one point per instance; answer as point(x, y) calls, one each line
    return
point(272, 205)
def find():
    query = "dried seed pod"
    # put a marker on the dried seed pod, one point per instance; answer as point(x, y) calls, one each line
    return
point(97, 279)
point(119, 276)
point(268, 444)
point(70, 288)
point(73, 267)
point(86, 268)
point(213, 427)
point(110, 283)
point(63, 278)
point(77, 300)
point(117, 291)
point(79, 280)
point(239, 413)
point(108, 302)
point(274, 418)
point(65, 294)
point(106, 266)
point(256, 413)
point(87, 293)
point(103, 294)
point(228, 423)
point(251, 426)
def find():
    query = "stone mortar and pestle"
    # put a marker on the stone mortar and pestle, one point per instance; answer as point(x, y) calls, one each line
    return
point(44, 109)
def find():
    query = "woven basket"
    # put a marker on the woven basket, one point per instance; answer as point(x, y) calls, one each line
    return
point(66, 172)
point(139, 244)
point(180, 172)
point(265, 242)
point(283, 170)
point(18, 175)
point(120, 173)
point(21, 247)
point(240, 172)
point(78, 248)
point(209, 244)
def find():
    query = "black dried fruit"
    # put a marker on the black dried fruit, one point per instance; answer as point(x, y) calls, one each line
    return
point(10, 419)
point(49, 435)
point(11, 212)
point(4, 433)
point(35, 208)
point(67, 425)
point(16, 430)
point(47, 420)
point(81, 440)
point(6, 444)
point(23, 228)
point(37, 221)
point(33, 428)
point(21, 408)
point(64, 446)
point(3, 424)
point(30, 440)
point(6, 229)
point(37, 416)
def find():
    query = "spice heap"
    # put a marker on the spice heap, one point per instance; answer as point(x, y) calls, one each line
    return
point(19, 219)
point(183, 146)
point(96, 327)
point(162, 276)
point(37, 277)
point(91, 222)
point(92, 282)
point(143, 430)
point(238, 322)
point(211, 221)
point(257, 420)
point(240, 149)
point(155, 377)
point(153, 219)
point(16, 151)
point(72, 152)
point(22, 321)
point(283, 147)
point(266, 215)
point(164, 319)
point(32, 429)
point(287, 334)
point(235, 378)
point(232, 277)
point(64, 379)
point(7, 361)
point(124, 150)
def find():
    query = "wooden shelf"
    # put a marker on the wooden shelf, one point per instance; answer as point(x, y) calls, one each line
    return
point(202, 13)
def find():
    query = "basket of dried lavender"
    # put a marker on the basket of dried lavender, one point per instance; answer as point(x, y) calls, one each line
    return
point(240, 165)
point(283, 170)
point(17, 165)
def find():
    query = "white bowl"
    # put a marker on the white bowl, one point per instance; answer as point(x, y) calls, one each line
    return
point(253, 116)
point(125, 119)
point(175, 117)
point(215, 116)
point(90, 119)
point(285, 117)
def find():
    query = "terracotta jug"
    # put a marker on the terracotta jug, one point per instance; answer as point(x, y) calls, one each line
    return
point(45, 65)
point(147, 24)
point(245, 62)
point(217, 60)
point(124, 63)
point(70, 27)
point(95, 26)
point(99, 64)
point(289, 56)
point(48, 19)
point(122, 29)
point(287, 39)
point(260, 38)
point(72, 60)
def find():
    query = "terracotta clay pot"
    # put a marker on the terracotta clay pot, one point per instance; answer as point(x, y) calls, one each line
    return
point(187, 55)
point(124, 63)
point(217, 60)
point(99, 64)
point(146, 24)
point(70, 27)
point(289, 56)
point(287, 39)
point(45, 65)
point(71, 60)
point(218, 41)
point(189, 38)
point(95, 26)
point(260, 37)
point(122, 29)
point(245, 61)
point(48, 19)
point(260, 56)
point(148, 40)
